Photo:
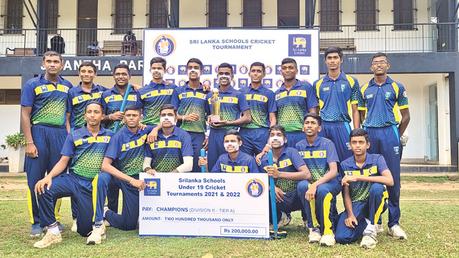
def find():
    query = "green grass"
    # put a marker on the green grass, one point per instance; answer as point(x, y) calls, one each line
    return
point(429, 217)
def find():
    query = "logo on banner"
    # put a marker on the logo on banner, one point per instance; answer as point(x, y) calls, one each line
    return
point(182, 69)
point(170, 70)
point(278, 69)
point(269, 70)
point(207, 69)
point(243, 69)
point(164, 45)
point(170, 81)
point(182, 83)
point(299, 45)
point(153, 187)
point(255, 187)
point(268, 83)
point(304, 69)
point(243, 82)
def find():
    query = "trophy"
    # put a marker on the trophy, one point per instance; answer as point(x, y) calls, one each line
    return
point(215, 102)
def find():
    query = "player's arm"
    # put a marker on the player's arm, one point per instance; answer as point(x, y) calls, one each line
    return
point(351, 220)
point(272, 119)
point(109, 168)
point(67, 122)
point(187, 165)
point(60, 166)
point(355, 116)
point(302, 174)
point(405, 120)
point(244, 119)
point(31, 149)
point(331, 174)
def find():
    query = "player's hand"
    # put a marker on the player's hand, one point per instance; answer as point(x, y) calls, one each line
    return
point(136, 86)
point(118, 115)
point(139, 184)
point(404, 140)
point(205, 144)
point(347, 180)
point(272, 171)
point(40, 185)
point(351, 221)
point(31, 150)
point(219, 123)
point(142, 126)
point(193, 117)
point(151, 171)
point(311, 193)
point(279, 194)
point(202, 161)
point(259, 157)
point(206, 86)
point(153, 135)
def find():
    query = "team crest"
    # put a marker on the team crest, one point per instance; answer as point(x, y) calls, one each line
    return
point(387, 94)
point(182, 83)
point(299, 45)
point(153, 187)
point(304, 69)
point(243, 69)
point(170, 70)
point(255, 187)
point(182, 69)
point(164, 45)
point(269, 70)
point(268, 83)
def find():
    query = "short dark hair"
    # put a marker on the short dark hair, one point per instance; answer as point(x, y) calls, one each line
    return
point(133, 107)
point(160, 60)
point(315, 116)
point(52, 53)
point(359, 132)
point(379, 54)
point(258, 64)
point(195, 60)
point(122, 66)
point(289, 60)
point(278, 128)
point(330, 50)
point(167, 106)
point(233, 132)
point(91, 64)
point(226, 65)
point(94, 102)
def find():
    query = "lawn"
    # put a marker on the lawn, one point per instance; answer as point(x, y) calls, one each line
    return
point(430, 211)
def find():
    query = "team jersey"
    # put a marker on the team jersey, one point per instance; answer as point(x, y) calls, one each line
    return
point(289, 161)
point(232, 104)
point(382, 103)
point(153, 97)
point(127, 150)
point(167, 152)
point(336, 97)
point(77, 101)
point(112, 99)
point(374, 165)
point(294, 104)
point(87, 151)
point(261, 102)
point(188, 100)
point(244, 163)
point(317, 156)
point(48, 100)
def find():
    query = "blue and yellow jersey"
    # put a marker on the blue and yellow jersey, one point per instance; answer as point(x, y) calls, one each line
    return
point(261, 102)
point(336, 97)
point(382, 103)
point(112, 99)
point(153, 97)
point(77, 101)
point(289, 161)
point(127, 150)
point(293, 105)
point(167, 152)
point(232, 104)
point(374, 165)
point(188, 100)
point(47, 100)
point(244, 163)
point(87, 151)
point(317, 156)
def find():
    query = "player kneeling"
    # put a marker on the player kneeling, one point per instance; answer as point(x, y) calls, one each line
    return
point(364, 192)
point(234, 161)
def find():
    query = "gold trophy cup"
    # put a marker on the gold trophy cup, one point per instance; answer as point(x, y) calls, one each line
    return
point(215, 103)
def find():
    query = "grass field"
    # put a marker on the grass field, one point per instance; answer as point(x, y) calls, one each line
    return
point(430, 214)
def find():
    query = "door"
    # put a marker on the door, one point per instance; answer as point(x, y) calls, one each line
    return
point(86, 25)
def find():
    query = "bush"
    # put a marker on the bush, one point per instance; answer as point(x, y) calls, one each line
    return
point(16, 140)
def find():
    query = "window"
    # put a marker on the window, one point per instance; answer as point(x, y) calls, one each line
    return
point(10, 97)
point(329, 15)
point(251, 13)
point(123, 16)
point(404, 14)
point(218, 12)
point(366, 14)
point(53, 14)
point(158, 13)
point(13, 17)
point(288, 13)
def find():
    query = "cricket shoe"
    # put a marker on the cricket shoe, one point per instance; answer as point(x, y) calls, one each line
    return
point(369, 241)
point(397, 232)
point(314, 235)
point(327, 240)
point(97, 235)
point(48, 239)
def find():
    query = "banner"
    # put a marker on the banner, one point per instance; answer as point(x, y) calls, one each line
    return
point(205, 204)
point(238, 47)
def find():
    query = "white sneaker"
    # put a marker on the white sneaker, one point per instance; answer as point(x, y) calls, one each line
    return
point(327, 240)
point(74, 227)
point(379, 228)
point(369, 241)
point(397, 232)
point(284, 221)
point(97, 235)
point(48, 240)
point(314, 235)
